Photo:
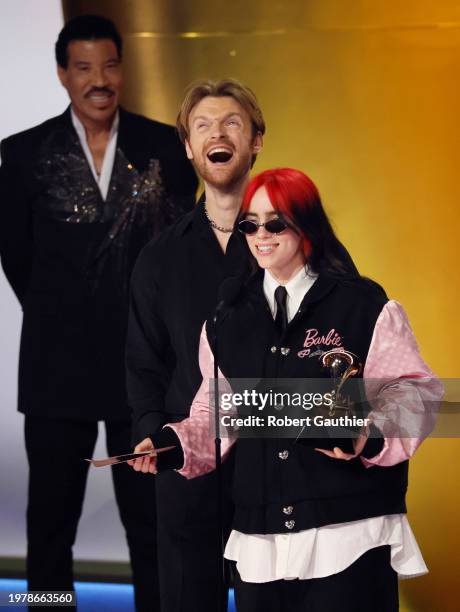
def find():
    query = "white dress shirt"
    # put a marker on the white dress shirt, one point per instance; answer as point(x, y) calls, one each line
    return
point(103, 180)
point(322, 551)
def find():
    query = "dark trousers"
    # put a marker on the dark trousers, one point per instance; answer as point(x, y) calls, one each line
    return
point(369, 584)
point(57, 479)
point(189, 556)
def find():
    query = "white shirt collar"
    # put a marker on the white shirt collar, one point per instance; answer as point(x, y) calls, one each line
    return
point(296, 288)
point(103, 180)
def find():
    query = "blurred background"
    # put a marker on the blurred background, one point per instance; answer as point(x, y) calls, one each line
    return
point(361, 95)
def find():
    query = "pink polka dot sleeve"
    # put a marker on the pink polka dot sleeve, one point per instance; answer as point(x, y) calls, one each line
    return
point(403, 391)
point(196, 433)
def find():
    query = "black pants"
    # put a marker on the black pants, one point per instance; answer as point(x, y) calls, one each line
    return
point(188, 548)
point(57, 480)
point(369, 584)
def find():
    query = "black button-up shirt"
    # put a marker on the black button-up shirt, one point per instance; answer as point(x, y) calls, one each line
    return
point(174, 290)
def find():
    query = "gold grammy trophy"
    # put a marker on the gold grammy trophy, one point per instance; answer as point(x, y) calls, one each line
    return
point(342, 365)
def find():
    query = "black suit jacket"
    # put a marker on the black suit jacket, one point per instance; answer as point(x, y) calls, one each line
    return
point(68, 255)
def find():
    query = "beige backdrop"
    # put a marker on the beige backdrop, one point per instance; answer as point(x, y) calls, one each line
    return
point(363, 95)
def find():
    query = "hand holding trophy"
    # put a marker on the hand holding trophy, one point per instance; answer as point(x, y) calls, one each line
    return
point(342, 365)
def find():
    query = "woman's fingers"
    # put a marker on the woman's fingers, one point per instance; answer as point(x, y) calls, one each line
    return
point(337, 453)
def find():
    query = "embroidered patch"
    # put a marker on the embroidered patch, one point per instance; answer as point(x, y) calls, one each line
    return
point(320, 342)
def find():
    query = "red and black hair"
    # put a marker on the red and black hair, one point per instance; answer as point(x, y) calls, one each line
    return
point(296, 198)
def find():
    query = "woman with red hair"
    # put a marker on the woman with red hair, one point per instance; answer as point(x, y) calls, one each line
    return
point(296, 199)
point(317, 527)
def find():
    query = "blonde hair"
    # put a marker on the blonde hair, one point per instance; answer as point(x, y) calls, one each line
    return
point(225, 87)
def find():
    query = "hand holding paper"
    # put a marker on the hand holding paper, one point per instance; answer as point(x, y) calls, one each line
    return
point(148, 462)
point(142, 457)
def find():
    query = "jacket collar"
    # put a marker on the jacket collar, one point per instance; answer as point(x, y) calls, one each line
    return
point(65, 118)
point(123, 127)
point(323, 285)
point(126, 137)
point(195, 218)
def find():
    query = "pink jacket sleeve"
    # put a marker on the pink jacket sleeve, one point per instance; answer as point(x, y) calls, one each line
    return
point(403, 391)
point(196, 433)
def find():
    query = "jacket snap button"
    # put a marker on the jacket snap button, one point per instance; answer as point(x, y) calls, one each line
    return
point(285, 350)
point(288, 510)
point(283, 454)
point(290, 524)
point(273, 349)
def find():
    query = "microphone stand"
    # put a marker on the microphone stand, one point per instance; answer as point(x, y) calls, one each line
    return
point(218, 450)
point(229, 290)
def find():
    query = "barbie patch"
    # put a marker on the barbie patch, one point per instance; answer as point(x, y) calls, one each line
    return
point(316, 343)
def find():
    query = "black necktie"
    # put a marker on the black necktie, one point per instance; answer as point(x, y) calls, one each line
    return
point(281, 318)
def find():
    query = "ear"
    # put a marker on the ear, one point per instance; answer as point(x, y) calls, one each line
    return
point(188, 150)
point(62, 75)
point(258, 143)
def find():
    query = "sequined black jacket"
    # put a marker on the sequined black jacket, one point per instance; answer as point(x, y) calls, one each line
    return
point(68, 255)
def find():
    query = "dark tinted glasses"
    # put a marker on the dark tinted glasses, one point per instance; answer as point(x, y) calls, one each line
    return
point(274, 226)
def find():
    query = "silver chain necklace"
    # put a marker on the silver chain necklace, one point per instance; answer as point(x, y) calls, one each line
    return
point(213, 224)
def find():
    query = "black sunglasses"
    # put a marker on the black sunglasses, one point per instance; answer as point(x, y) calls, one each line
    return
point(274, 226)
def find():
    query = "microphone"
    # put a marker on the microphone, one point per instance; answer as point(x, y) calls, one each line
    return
point(227, 294)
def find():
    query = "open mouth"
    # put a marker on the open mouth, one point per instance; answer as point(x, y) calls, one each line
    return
point(266, 249)
point(220, 155)
point(100, 96)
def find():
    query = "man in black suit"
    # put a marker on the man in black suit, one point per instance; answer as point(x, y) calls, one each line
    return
point(81, 194)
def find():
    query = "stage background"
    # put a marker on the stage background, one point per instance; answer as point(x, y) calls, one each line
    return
point(364, 97)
